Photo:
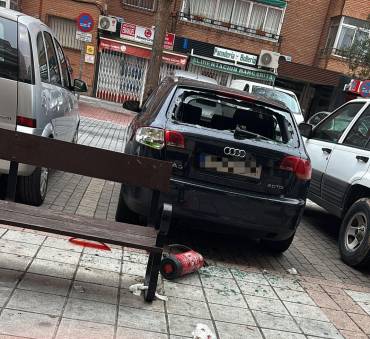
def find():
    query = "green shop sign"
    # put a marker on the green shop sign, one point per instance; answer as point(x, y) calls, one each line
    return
point(232, 69)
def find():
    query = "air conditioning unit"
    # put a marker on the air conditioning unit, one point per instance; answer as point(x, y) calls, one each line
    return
point(269, 59)
point(107, 23)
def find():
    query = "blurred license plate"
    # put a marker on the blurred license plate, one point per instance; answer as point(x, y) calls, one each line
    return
point(247, 167)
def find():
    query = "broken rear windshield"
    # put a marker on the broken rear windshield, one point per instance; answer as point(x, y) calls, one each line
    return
point(245, 119)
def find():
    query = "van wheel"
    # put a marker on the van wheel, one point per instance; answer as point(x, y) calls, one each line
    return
point(32, 189)
point(354, 235)
point(278, 246)
point(125, 214)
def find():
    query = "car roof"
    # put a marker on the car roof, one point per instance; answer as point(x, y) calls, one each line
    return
point(242, 95)
point(18, 16)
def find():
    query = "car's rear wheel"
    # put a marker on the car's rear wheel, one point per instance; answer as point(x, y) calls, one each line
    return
point(32, 189)
point(277, 246)
point(125, 214)
point(354, 235)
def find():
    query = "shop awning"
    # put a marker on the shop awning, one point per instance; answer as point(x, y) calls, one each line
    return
point(141, 51)
point(246, 72)
point(275, 3)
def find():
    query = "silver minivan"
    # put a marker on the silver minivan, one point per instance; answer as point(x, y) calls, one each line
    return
point(37, 95)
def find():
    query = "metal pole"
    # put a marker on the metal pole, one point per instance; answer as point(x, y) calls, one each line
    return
point(82, 60)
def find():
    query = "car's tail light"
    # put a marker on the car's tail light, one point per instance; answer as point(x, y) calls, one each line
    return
point(300, 167)
point(151, 137)
point(27, 122)
point(175, 139)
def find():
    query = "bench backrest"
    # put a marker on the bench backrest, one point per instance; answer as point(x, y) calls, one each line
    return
point(84, 160)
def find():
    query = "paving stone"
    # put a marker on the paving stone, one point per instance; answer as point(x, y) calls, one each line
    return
point(273, 334)
point(318, 328)
point(2, 231)
point(276, 321)
point(129, 333)
point(252, 277)
point(18, 323)
point(4, 295)
point(114, 253)
point(9, 278)
point(280, 282)
point(128, 299)
point(323, 300)
point(190, 279)
point(133, 268)
point(352, 335)
point(26, 237)
point(88, 291)
point(363, 321)
point(183, 291)
point(142, 319)
point(128, 279)
point(100, 263)
point(89, 310)
point(55, 254)
point(294, 296)
point(184, 326)
point(265, 305)
point(257, 290)
point(359, 296)
point(234, 331)
point(190, 308)
point(341, 320)
point(225, 298)
point(24, 249)
point(306, 311)
point(45, 284)
point(31, 301)
point(93, 275)
point(346, 303)
point(135, 257)
point(51, 268)
point(217, 283)
point(77, 329)
point(215, 271)
point(365, 307)
point(230, 314)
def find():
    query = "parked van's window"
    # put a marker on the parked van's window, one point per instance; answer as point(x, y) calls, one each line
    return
point(54, 72)
point(25, 55)
point(8, 49)
point(64, 66)
point(43, 64)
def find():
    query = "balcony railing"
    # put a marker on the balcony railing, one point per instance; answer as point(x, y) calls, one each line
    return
point(334, 52)
point(227, 26)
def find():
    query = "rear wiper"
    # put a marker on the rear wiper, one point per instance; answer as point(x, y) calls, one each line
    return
point(245, 134)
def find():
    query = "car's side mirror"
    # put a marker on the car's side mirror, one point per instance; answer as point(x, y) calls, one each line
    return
point(132, 105)
point(79, 86)
point(305, 130)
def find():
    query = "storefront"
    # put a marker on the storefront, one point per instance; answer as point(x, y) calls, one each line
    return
point(222, 64)
point(123, 63)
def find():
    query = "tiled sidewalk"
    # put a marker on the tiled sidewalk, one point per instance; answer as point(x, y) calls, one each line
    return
point(50, 288)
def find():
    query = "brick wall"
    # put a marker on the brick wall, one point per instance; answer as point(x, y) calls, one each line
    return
point(67, 9)
point(357, 9)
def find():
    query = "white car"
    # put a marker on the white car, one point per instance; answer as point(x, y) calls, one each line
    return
point(339, 148)
point(288, 98)
point(36, 93)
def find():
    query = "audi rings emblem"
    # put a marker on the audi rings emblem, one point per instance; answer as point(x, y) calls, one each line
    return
point(234, 152)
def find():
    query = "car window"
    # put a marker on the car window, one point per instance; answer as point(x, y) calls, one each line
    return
point(43, 63)
point(8, 49)
point(54, 72)
point(25, 60)
point(271, 93)
point(359, 135)
point(333, 127)
point(64, 66)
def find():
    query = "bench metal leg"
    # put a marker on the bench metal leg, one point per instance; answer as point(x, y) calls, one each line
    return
point(12, 181)
point(151, 275)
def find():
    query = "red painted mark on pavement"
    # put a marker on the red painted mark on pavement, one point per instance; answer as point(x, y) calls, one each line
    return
point(89, 244)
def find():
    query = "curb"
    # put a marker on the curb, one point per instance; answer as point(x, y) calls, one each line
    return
point(108, 105)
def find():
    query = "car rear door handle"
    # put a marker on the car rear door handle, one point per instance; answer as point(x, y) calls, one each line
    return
point(363, 159)
point(326, 150)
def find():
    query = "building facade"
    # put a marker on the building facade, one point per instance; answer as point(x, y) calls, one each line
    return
point(292, 43)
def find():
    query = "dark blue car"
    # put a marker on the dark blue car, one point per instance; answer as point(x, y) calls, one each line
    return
point(239, 162)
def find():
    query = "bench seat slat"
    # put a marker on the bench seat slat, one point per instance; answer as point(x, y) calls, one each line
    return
point(113, 235)
point(78, 219)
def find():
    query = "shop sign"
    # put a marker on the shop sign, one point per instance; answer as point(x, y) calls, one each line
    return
point(169, 58)
point(233, 69)
point(243, 58)
point(144, 35)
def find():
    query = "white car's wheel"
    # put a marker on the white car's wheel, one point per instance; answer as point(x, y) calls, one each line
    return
point(354, 236)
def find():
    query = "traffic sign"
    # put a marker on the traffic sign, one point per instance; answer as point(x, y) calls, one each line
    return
point(85, 22)
point(90, 49)
point(365, 89)
point(82, 36)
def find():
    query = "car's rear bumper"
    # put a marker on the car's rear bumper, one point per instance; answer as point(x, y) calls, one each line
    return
point(260, 215)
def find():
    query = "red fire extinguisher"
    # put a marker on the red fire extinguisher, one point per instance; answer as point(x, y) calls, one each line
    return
point(179, 264)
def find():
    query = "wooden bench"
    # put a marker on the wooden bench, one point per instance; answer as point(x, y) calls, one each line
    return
point(154, 174)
